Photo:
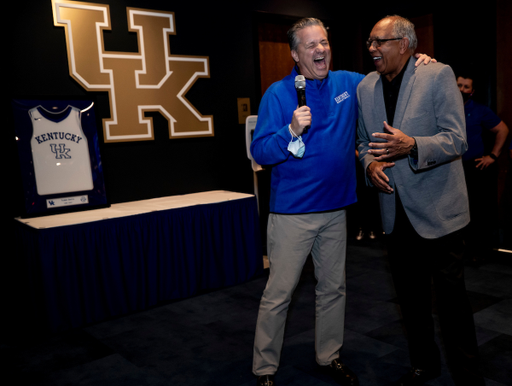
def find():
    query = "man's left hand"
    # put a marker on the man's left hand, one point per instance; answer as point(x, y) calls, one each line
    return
point(397, 144)
point(423, 58)
point(484, 162)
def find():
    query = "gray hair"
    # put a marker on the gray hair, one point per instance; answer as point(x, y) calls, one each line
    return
point(403, 27)
point(293, 39)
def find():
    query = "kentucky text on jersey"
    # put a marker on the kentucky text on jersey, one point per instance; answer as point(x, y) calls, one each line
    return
point(56, 136)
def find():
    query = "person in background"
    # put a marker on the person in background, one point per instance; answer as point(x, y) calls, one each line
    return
point(480, 170)
point(411, 138)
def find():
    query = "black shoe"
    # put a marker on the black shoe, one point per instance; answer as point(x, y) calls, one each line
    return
point(416, 377)
point(266, 380)
point(341, 373)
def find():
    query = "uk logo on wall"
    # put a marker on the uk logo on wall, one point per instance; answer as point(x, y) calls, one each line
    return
point(151, 79)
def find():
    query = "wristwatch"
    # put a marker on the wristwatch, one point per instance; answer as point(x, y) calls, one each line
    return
point(493, 156)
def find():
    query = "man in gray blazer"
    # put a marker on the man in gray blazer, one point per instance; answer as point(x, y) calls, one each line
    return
point(411, 136)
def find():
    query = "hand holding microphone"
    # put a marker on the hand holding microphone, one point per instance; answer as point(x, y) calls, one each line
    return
point(301, 120)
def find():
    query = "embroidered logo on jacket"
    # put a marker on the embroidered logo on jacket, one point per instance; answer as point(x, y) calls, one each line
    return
point(342, 97)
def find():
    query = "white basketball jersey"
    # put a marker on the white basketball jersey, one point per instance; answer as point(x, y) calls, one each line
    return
point(60, 152)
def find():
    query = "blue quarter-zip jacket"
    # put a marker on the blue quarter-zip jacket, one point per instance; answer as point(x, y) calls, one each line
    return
point(325, 178)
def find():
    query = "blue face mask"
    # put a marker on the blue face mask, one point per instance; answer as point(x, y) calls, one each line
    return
point(297, 148)
point(466, 96)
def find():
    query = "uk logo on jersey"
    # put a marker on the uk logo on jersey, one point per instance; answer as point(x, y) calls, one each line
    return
point(151, 79)
point(60, 151)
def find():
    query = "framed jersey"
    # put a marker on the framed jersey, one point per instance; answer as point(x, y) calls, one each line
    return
point(59, 156)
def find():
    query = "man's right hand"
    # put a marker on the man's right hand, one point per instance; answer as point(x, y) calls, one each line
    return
point(301, 118)
point(375, 171)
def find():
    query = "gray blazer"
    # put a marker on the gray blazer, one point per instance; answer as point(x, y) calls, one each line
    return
point(430, 109)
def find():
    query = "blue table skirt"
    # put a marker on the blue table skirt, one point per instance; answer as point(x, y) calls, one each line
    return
point(86, 273)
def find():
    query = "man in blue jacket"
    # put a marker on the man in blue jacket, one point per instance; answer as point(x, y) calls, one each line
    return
point(311, 151)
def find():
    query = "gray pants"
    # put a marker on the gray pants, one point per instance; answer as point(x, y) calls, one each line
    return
point(290, 240)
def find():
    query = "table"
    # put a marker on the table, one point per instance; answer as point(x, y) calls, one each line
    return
point(85, 267)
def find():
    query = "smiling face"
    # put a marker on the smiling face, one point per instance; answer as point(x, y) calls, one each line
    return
point(313, 53)
point(392, 55)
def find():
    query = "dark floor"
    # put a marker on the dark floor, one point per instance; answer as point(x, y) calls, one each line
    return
point(207, 339)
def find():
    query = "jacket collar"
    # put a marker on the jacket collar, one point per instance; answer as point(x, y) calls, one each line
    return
point(313, 82)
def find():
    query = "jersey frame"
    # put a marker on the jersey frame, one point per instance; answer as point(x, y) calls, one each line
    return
point(30, 202)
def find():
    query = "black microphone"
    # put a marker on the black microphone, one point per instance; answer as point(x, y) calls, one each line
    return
point(300, 87)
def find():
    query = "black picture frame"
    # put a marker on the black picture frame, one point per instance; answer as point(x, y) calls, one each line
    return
point(36, 202)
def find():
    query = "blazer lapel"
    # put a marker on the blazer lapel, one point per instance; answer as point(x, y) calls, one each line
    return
point(405, 93)
point(379, 111)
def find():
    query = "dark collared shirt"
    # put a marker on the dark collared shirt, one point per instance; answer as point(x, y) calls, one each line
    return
point(391, 91)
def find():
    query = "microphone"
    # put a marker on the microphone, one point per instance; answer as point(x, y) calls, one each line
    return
point(300, 87)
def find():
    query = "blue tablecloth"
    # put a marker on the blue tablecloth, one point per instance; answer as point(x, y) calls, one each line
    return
point(85, 273)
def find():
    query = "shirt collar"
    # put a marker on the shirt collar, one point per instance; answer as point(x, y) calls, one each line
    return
point(469, 104)
point(396, 82)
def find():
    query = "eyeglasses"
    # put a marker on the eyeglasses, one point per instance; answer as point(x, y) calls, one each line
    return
point(379, 42)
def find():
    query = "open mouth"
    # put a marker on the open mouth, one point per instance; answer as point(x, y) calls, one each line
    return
point(320, 61)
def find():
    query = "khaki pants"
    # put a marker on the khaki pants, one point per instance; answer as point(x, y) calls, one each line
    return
point(290, 240)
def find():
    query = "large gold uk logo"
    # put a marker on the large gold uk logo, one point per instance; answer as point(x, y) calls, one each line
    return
point(148, 80)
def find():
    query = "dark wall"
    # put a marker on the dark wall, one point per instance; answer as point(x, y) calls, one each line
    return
point(146, 169)
point(38, 66)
